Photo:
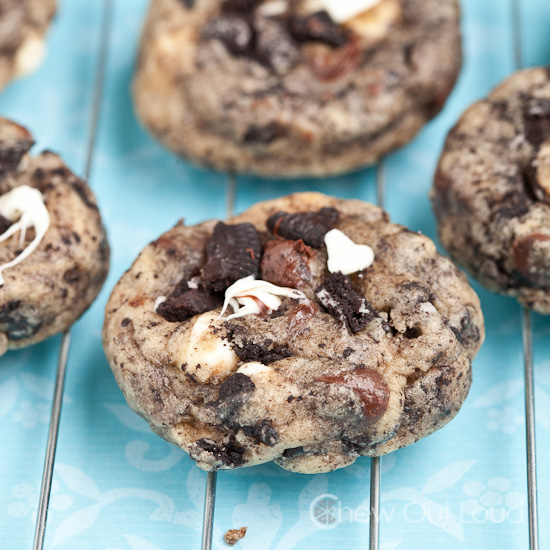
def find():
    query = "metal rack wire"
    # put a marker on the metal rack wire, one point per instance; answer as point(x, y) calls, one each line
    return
point(527, 332)
point(51, 445)
point(210, 493)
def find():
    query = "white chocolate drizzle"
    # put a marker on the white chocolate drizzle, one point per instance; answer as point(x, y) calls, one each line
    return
point(25, 207)
point(246, 296)
point(344, 255)
point(343, 10)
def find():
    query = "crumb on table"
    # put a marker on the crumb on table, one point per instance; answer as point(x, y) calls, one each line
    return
point(233, 536)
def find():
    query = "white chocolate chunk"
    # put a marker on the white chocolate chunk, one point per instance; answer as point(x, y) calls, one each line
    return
point(344, 255)
point(246, 295)
point(273, 8)
point(344, 10)
point(250, 369)
point(30, 55)
point(374, 25)
point(206, 353)
point(25, 207)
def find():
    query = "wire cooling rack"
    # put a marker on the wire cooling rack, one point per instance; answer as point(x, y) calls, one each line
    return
point(469, 486)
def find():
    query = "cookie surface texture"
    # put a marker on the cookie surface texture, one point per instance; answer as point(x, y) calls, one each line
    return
point(491, 192)
point(50, 288)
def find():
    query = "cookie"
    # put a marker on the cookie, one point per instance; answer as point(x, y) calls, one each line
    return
point(23, 26)
point(293, 362)
point(491, 192)
point(54, 255)
point(285, 88)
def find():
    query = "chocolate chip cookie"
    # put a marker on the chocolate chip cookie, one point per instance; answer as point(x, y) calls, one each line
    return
point(54, 255)
point(244, 342)
point(294, 87)
point(23, 25)
point(491, 193)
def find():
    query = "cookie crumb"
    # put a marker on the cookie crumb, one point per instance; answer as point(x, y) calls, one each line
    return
point(232, 536)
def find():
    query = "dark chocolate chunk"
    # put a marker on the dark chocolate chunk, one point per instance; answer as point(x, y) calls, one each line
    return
point(181, 305)
point(286, 263)
point(319, 27)
point(341, 301)
point(72, 275)
point(5, 224)
point(233, 31)
point(233, 252)
point(263, 134)
point(275, 47)
point(369, 386)
point(311, 227)
point(229, 453)
point(263, 432)
point(265, 353)
point(536, 115)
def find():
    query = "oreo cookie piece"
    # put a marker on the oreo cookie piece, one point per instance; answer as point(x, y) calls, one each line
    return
point(341, 301)
point(233, 252)
point(181, 305)
point(310, 227)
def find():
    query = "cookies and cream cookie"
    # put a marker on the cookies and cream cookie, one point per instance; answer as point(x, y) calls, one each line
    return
point(54, 255)
point(492, 189)
point(308, 330)
point(23, 26)
point(294, 87)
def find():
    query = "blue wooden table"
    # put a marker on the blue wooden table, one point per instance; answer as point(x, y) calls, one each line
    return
point(116, 485)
